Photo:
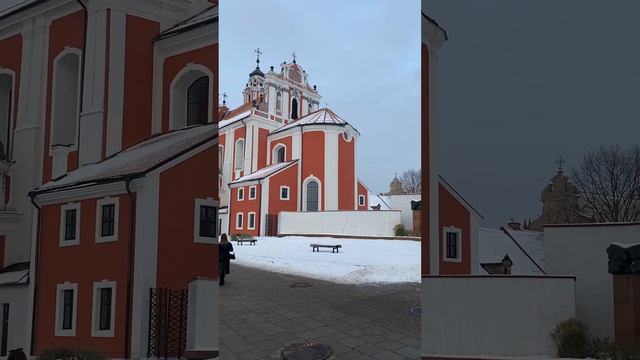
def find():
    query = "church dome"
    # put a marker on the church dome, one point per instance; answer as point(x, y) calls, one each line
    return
point(257, 72)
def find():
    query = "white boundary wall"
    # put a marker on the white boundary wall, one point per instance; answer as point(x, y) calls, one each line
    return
point(357, 223)
point(581, 250)
point(16, 296)
point(488, 316)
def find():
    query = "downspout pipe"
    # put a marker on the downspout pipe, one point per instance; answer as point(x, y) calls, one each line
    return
point(82, 66)
point(130, 267)
point(34, 277)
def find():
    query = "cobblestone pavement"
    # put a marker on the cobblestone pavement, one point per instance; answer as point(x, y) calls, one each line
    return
point(260, 314)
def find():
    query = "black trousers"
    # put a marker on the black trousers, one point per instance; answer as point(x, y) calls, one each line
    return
point(221, 277)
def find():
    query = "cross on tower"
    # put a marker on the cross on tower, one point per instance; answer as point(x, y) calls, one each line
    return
point(560, 162)
point(258, 53)
point(294, 57)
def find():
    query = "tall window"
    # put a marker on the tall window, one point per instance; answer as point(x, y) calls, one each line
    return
point(312, 196)
point(239, 155)
point(66, 99)
point(70, 221)
point(6, 110)
point(294, 108)
point(207, 221)
point(452, 245)
point(104, 315)
point(279, 101)
point(220, 158)
point(198, 101)
point(67, 309)
point(108, 219)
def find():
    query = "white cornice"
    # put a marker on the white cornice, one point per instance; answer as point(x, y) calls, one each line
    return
point(88, 192)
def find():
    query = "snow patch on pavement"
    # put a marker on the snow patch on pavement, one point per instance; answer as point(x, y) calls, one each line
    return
point(360, 261)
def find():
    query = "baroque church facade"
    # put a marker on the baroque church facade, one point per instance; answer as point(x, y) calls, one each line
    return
point(280, 151)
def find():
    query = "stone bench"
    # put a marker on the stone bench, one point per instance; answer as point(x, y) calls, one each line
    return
point(316, 247)
point(241, 241)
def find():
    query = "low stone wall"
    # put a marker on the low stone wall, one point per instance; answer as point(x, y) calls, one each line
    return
point(493, 316)
point(349, 223)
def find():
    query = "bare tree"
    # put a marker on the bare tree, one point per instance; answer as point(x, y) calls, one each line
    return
point(608, 181)
point(411, 181)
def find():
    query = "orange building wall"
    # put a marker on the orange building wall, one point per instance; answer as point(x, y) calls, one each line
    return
point(207, 56)
point(66, 31)
point(362, 190)
point(425, 165)
point(313, 158)
point(83, 264)
point(288, 177)
point(245, 206)
point(346, 174)
point(263, 134)
point(176, 218)
point(452, 213)
point(138, 79)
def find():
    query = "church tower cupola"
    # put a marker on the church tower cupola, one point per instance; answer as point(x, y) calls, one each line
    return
point(255, 90)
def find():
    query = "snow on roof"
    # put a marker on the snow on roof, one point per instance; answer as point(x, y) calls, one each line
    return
point(8, 7)
point(14, 277)
point(137, 159)
point(208, 16)
point(496, 243)
point(264, 172)
point(322, 116)
point(375, 200)
point(234, 118)
point(531, 241)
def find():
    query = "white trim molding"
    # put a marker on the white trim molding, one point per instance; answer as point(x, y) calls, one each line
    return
point(255, 192)
point(62, 231)
point(274, 152)
point(239, 221)
point(452, 230)
point(240, 191)
point(178, 94)
point(60, 288)
point(116, 215)
point(95, 311)
point(196, 221)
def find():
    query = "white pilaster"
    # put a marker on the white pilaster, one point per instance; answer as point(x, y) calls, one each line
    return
point(331, 170)
point(117, 41)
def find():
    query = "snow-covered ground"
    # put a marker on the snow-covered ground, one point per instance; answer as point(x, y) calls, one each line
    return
point(359, 261)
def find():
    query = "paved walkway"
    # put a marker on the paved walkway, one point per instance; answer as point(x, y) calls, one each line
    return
point(260, 314)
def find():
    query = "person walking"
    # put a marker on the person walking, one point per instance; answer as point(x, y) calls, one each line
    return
point(225, 255)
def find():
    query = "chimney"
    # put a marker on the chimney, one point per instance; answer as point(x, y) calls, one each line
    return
point(514, 225)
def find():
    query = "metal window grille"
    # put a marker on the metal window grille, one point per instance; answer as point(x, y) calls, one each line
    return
point(70, 224)
point(67, 309)
point(198, 101)
point(207, 221)
point(452, 245)
point(108, 220)
point(312, 196)
point(105, 309)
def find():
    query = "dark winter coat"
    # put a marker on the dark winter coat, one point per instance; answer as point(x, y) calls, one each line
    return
point(224, 257)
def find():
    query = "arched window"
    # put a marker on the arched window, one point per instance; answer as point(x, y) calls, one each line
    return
point(198, 101)
point(294, 108)
point(6, 112)
point(239, 154)
point(279, 154)
point(279, 101)
point(66, 99)
point(313, 196)
point(309, 107)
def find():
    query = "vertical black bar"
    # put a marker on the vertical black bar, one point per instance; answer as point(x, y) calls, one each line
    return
point(165, 319)
point(5, 329)
point(149, 344)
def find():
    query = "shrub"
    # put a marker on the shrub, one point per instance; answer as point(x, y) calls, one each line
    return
point(572, 339)
point(240, 236)
point(399, 230)
point(603, 348)
point(71, 354)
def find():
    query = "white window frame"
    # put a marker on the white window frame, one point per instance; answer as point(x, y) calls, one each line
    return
point(239, 216)
point(239, 161)
point(240, 191)
point(107, 201)
point(95, 312)
point(458, 231)
point(249, 226)
point(220, 158)
point(54, 81)
point(63, 210)
point(255, 192)
point(288, 192)
point(196, 223)
point(60, 288)
point(361, 200)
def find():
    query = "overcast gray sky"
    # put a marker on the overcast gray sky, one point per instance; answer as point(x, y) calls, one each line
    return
point(363, 55)
point(522, 82)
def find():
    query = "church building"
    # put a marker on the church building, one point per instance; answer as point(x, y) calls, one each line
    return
point(280, 151)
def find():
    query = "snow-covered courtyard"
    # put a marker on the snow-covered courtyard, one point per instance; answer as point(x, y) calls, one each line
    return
point(359, 261)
